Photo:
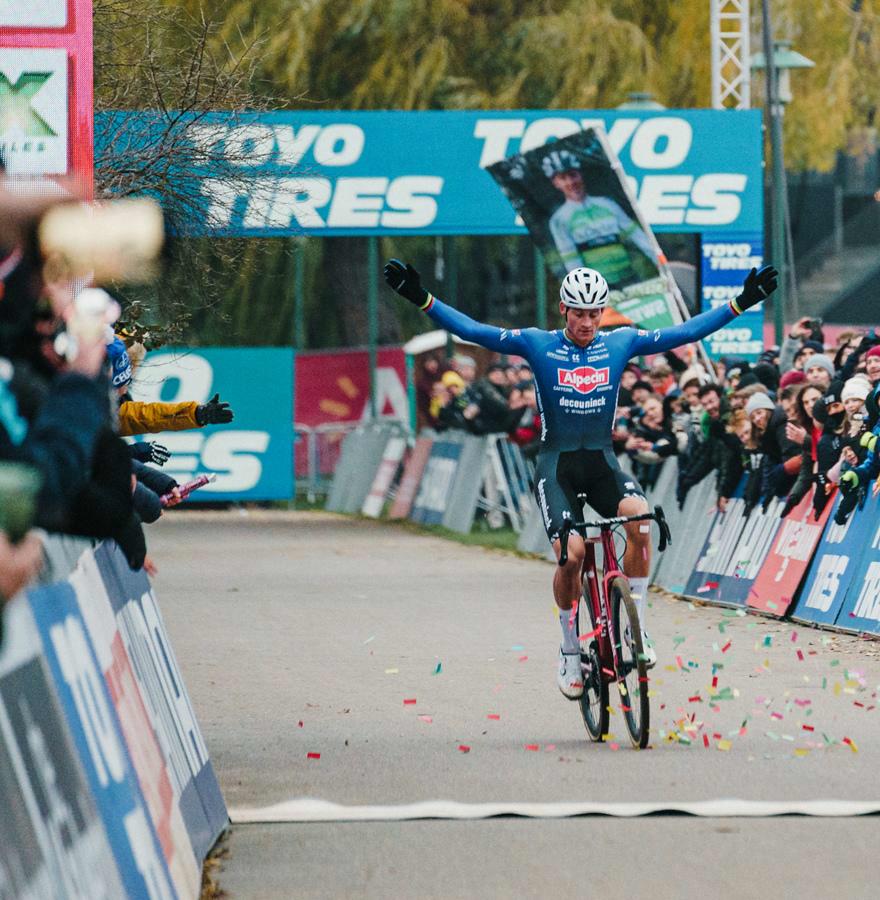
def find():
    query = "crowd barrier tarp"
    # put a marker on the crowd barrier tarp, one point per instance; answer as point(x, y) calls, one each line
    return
point(411, 478)
point(91, 716)
point(163, 801)
point(788, 558)
point(52, 838)
point(533, 537)
point(733, 552)
point(461, 505)
point(361, 454)
point(165, 697)
point(832, 568)
point(438, 479)
point(663, 494)
point(861, 606)
point(687, 527)
point(388, 466)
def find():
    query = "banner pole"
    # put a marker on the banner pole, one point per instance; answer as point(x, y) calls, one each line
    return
point(373, 314)
point(540, 289)
point(299, 299)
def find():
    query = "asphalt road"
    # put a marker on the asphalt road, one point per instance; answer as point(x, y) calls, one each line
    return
point(303, 633)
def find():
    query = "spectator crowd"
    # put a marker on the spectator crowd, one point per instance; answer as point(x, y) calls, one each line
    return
point(65, 407)
point(804, 414)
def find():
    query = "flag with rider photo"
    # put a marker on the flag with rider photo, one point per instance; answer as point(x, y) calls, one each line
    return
point(573, 197)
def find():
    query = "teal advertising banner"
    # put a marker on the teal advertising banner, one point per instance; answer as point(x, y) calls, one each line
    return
point(362, 173)
point(253, 455)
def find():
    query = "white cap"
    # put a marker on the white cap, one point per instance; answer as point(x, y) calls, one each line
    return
point(856, 388)
point(759, 401)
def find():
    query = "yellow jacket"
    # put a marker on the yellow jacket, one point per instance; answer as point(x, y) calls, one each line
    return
point(149, 418)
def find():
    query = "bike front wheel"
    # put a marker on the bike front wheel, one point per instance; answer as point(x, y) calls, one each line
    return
point(632, 672)
point(594, 700)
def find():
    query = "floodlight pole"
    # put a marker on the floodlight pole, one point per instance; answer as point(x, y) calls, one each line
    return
point(540, 289)
point(777, 182)
point(373, 315)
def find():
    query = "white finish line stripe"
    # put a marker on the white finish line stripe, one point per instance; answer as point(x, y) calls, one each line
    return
point(308, 809)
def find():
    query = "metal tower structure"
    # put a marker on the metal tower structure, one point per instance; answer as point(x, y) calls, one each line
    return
point(731, 75)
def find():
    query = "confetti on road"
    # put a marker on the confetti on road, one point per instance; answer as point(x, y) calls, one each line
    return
point(428, 719)
point(464, 748)
point(409, 701)
point(494, 717)
point(438, 669)
point(372, 637)
point(533, 747)
point(391, 671)
point(313, 755)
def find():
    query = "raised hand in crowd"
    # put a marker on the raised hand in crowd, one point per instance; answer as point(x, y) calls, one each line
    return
point(19, 564)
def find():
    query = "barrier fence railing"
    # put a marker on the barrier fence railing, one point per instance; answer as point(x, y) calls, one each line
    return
point(106, 786)
point(801, 566)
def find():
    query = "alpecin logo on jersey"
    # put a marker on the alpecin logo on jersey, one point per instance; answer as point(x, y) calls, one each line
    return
point(583, 379)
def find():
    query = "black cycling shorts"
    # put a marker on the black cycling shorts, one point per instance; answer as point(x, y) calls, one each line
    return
point(560, 477)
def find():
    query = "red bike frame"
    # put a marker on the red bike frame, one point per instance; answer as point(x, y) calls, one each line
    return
point(599, 599)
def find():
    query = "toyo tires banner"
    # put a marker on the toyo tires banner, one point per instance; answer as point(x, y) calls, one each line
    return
point(362, 173)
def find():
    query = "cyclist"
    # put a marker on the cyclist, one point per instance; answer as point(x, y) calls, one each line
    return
point(592, 230)
point(577, 372)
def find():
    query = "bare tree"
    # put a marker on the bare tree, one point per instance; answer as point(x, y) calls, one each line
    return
point(161, 76)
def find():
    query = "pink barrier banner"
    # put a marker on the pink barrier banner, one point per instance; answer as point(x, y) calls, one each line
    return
point(334, 386)
point(789, 558)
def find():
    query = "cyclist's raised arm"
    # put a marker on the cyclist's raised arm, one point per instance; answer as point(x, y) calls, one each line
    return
point(405, 280)
point(757, 287)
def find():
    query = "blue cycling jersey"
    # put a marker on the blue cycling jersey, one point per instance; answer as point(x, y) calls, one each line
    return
point(577, 386)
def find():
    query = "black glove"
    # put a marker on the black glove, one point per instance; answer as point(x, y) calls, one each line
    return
point(132, 543)
point(849, 482)
point(848, 503)
point(790, 503)
point(404, 279)
point(146, 451)
point(820, 500)
point(158, 454)
point(758, 286)
point(681, 492)
point(213, 412)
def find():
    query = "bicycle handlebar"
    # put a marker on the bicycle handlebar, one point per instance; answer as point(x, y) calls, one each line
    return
point(606, 524)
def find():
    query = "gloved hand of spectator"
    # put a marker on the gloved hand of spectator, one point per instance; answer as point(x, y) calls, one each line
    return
point(214, 412)
point(406, 281)
point(131, 541)
point(869, 441)
point(791, 501)
point(849, 482)
point(848, 503)
point(681, 492)
point(758, 286)
point(149, 451)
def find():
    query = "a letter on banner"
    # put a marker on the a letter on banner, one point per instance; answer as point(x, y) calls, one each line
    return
point(164, 693)
point(831, 571)
point(788, 558)
point(411, 479)
point(437, 481)
point(98, 737)
point(137, 729)
point(861, 608)
point(52, 839)
point(733, 552)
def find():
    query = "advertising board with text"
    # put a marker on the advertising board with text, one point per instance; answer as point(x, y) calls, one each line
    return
point(350, 173)
point(46, 108)
point(252, 455)
point(725, 262)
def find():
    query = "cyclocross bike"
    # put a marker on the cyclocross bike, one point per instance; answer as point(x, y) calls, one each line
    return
point(609, 630)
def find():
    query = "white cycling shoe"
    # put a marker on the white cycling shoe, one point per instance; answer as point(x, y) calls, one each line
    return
point(570, 676)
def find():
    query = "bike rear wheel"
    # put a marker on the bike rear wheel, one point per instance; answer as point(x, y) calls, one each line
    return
point(632, 672)
point(594, 700)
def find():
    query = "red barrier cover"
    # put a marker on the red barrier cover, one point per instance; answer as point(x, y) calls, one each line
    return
point(789, 558)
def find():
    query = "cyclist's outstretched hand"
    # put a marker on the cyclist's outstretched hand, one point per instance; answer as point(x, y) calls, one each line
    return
point(406, 281)
point(758, 286)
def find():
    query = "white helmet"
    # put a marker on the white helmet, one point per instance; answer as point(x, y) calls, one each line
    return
point(584, 289)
